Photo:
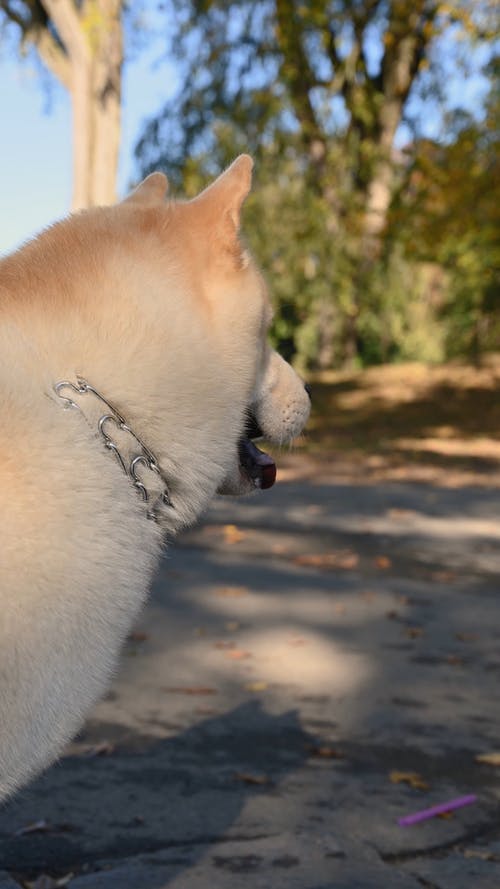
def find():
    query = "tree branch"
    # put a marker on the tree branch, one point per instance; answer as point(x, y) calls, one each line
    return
point(53, 56)
point(409, 30)
point(67, 21)
point(14, 17)
point(346, 70)
point(34, 30)
point(296, 71)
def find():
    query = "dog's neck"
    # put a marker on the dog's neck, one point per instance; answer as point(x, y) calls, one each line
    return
point(135, 459)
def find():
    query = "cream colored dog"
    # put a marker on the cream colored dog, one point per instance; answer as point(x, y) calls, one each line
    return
point(134, 370)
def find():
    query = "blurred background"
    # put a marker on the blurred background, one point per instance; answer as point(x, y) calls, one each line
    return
point(375, 129)
point(347, 626)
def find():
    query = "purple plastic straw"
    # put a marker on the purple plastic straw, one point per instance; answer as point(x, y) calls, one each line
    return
point(437, 810)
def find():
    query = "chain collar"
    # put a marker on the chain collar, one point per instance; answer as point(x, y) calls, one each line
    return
point(140, 455)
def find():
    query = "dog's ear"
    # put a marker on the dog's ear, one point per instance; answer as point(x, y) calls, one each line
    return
point(152, 190)
point(223, 199)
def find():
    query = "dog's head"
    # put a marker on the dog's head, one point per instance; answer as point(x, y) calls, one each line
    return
point(262, 394)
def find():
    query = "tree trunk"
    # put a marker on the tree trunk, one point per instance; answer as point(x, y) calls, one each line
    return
point(380, 187)
point(81, 95)
point(326, 330)
point(96, 95)
point(106, 122)
point(409, 30)
point(82, 44)
point(378, 199)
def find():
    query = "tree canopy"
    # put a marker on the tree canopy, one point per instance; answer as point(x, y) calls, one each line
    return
point(322, 94)
point(373, 212)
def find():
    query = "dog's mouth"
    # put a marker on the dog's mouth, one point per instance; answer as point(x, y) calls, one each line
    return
point(258, 466)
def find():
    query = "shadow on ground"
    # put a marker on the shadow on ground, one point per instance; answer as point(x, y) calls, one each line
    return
point(182, 792)
point(443, 417)
point(298, 648)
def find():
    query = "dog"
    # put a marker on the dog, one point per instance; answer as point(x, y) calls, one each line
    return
point(135, 373)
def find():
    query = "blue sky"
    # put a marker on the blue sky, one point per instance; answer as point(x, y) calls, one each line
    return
point(35, 149)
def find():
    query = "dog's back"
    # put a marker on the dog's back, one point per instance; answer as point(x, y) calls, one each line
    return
point(76, 557)
point(159, 308)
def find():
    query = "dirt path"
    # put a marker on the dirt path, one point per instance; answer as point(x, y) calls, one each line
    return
point(300, 649)
point(409, 422)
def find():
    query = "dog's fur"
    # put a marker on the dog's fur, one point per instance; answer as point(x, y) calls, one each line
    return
point(157, 304)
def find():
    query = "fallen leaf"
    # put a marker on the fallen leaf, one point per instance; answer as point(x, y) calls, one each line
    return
point(252, 779)
point(238, 655)
point(345, 560)
point(483, 855)
point(466, 637)
point(413, 779)
point(224, 644)
point(231, 591)
point(414, 632)
point(443, 576)
point(325, 752)
point(454, 660)
point(231, 626)
point(256, 686)
point(232, 534)
point(397, 513)
point(279, 549)
point(190, 690)
point(383, 562)
point(489, 759)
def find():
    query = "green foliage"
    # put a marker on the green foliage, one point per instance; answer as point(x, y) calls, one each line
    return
point(451, 215)
point(316, 91)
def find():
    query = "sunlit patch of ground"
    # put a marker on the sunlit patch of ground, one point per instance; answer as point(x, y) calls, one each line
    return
point(438, 425)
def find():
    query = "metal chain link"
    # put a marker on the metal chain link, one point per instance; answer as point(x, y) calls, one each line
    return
point(144, 458)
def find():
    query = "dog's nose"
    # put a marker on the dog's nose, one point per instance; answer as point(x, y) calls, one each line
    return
point(308, 390)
